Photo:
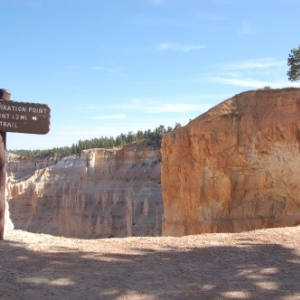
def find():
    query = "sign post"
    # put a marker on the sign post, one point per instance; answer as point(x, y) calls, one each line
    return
point(5, 97)
point(19, 117)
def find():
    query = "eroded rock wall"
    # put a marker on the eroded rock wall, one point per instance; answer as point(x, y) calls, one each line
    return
point(236, 167)
point(101, 193)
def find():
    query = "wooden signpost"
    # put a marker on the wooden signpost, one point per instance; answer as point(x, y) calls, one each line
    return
point(18, 117)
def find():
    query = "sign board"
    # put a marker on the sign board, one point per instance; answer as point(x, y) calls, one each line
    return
point(24, 117)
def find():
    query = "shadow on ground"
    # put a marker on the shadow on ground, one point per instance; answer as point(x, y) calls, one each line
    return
point(246, 271)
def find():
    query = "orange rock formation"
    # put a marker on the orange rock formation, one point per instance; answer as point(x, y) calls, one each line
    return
point(236, 167)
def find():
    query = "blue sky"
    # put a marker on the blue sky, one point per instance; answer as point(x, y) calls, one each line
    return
point(107, 67)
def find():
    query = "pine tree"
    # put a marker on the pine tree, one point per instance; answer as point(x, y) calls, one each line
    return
point(294, 65)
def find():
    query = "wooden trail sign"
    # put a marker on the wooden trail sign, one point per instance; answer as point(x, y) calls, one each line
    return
point(17, 117)
point(24, 117)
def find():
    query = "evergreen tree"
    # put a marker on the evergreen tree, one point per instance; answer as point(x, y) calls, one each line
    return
point(294, 65)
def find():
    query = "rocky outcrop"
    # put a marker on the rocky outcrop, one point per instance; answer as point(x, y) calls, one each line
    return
point(101, 193)
point(236, 167)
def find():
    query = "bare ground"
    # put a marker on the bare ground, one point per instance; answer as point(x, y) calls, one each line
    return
point(263, 264)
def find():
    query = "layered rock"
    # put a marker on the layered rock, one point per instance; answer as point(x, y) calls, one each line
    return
point(236, 167)
point(101, 193)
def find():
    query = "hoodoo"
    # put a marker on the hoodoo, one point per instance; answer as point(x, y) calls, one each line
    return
point(101, 193)
point(236, 167)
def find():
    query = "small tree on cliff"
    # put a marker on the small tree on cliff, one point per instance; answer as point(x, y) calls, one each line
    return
point(294, 65)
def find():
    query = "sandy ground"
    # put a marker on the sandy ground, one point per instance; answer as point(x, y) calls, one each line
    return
point(263, 264)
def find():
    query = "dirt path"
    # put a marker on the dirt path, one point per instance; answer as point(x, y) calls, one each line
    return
point(263, 264)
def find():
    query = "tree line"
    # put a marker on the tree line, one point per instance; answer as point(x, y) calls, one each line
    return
point(153, 136)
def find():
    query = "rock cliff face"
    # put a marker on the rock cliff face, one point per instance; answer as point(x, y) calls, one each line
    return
point(236, 167)
point(101, 193)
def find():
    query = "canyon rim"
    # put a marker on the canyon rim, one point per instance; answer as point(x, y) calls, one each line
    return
point(236, 167)
point(232, 169)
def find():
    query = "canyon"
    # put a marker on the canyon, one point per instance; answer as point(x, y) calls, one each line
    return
point(232, 169)
point(99, 193)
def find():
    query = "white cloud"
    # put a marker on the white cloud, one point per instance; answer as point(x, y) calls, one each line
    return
point(256, 64)
point(109, 117)
point(256, 73)
point(179, 47)
point(155, 106)
point(179, 107)
point(253, 83)
point(66, 136)
point(95, 68)
point(244, 82)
